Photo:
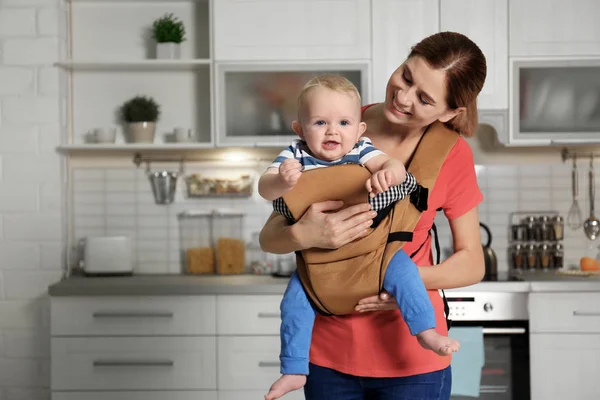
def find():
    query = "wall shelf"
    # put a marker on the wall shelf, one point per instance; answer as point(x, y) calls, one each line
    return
point(150, 65)
point(132, 147)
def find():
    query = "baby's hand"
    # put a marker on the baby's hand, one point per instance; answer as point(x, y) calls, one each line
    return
point(290, 171)
point(380, 181)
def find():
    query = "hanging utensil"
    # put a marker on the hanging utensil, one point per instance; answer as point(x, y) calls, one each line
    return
point(574, 216)
point(591, 226)
point(163, 184)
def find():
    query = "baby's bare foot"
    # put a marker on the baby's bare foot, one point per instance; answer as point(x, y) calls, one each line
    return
point(441, 345)
point(285, 384)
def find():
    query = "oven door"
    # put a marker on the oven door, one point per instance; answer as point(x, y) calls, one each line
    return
point(505, 374)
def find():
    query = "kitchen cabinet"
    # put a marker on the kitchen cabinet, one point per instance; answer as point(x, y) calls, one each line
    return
point(256, 102)
point(397, 25)
point(291, 30)
point(564, 345)
point(209, 347)
point(486, 23)
point(554, 101)
point(554, 28)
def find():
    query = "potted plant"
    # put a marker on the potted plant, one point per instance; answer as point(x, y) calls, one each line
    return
point(169, 33)
point(140, 114)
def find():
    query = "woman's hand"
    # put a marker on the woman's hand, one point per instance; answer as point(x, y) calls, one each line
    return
point(377, 303)
point(324, 227)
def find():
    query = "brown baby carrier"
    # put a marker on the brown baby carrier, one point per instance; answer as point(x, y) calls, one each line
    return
point(335, 280)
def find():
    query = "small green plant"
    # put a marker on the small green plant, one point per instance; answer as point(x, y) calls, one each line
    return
point(140, 109)
point(168, 29)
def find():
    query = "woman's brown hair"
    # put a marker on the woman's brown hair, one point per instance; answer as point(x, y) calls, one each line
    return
point(465, 67)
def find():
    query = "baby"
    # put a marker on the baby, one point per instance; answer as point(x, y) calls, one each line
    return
point(329, 127)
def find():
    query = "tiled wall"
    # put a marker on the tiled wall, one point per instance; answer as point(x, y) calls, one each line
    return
point(119, 201)
point(31, 242)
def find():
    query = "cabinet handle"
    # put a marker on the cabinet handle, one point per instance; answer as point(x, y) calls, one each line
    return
point(503, 331)
point(577, 313)
point(267, 364)
point(493, 389)
point(132, 314)
point(269, 315)
point(133, 363)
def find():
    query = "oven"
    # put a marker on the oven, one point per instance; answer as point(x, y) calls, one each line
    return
point(504, 319)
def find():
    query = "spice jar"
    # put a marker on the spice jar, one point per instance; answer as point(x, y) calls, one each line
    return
point(517, 256)
point(559, 256)
point(558, 224)
point(532, 256)
point(545, 255)
point(546, 228)
point(532, 227)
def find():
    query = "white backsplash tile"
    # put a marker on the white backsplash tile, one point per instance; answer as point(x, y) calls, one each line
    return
point(119, 201)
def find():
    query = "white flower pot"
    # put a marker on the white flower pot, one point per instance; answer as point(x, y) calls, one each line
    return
point(168, 51)
point(141, 132)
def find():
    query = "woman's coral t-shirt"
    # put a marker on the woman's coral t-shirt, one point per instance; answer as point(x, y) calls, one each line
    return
point(379, 344)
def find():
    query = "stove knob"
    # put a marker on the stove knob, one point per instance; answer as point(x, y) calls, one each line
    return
point(487, 307)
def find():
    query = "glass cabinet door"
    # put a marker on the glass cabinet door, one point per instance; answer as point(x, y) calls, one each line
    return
point(256, 104)
point(558, 101)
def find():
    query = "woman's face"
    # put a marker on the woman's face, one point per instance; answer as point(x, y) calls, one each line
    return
point(416, 95)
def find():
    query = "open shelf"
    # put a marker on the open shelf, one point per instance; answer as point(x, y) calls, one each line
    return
point(132, 147)
point(149, 65)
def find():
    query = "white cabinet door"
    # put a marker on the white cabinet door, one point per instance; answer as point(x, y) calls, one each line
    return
point(564, 312)
point(397, 26)
point(292, 29)
point(157, 395)
point(486, 23)
point(134, 363)
point(248, 315)
point(554, 27)
point(565, 366)
point(247, 362)
point(256, 394)
point(133, 316)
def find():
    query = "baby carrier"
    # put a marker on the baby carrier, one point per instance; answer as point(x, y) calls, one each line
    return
point(335, 280)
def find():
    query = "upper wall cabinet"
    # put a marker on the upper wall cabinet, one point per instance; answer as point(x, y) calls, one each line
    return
point(397, 26)
point(250, 30)
point(485, 22)
point(554, 28)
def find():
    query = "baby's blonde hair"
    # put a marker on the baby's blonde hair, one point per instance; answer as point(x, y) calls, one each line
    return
point(337, 83)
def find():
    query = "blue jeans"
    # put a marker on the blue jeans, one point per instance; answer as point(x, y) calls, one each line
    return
point(328, 384)
point(402, 280)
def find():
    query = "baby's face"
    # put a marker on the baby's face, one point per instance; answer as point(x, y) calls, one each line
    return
point(330, 123)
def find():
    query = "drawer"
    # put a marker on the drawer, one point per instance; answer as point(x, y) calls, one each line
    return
point(248, 363)
point(248, 315)
point(256, 394)
point(564, 312)
point(133, 363)
point(196, 395)
point(133, 316)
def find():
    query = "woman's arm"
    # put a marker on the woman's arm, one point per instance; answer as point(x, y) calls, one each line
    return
point(319, 227)
point(466, 266)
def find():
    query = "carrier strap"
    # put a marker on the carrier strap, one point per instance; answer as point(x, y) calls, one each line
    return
point(419, 198)
point(401, 236)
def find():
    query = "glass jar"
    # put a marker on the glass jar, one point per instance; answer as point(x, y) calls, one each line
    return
point(532, 256)
point(545, 255)
point(228, 241)
point(546, 228)
point(196, 248)
point(559, 227)
point(517, 257)
point(259, 262)
point(559, 256)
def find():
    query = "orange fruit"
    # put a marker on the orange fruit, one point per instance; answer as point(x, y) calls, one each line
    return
point(589, 264)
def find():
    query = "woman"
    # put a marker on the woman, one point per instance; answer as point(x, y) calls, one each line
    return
point(372, 355)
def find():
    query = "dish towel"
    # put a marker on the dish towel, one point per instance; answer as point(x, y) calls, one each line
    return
point(468, 361)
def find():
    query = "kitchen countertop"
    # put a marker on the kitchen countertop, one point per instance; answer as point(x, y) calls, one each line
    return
point(165, 285)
